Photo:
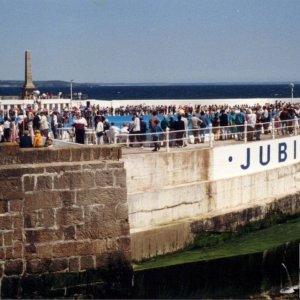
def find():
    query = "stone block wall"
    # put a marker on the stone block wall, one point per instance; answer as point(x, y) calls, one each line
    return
point(63, 223)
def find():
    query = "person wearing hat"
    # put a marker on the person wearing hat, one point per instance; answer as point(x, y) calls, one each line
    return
point(25, 140)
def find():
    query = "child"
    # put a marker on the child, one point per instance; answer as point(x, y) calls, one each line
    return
point(38, 140)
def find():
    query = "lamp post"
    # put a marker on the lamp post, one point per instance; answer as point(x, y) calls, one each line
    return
point(292, 91)
point(71, 93)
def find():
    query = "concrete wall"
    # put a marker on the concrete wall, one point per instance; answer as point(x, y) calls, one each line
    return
point(168, 192)
point(63, 222)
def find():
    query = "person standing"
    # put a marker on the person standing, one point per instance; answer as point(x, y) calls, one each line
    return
point(184, 118)
point(1, 132)
point(113, 133)
point(156, 131)
point(99, 130)
point(36, 121)
point(79, 124)
point(195, 122)
point(251, 121)
point(44, 126)
point(152, 119)
point(240, 122)
point(164, 124)
point(136, 130)
point(6, 130)
point(172, 132)
point(54, 125)
point(203, 125)
point(224, 124)
point(143, 131)
point(179, 128)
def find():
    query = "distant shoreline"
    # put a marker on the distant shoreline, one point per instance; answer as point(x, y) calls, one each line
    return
point(19, 83)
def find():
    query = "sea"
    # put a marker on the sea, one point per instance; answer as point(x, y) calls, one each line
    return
point(164, 91)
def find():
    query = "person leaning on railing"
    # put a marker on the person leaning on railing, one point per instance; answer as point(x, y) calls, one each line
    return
point(232, 130)
point(258, 126)
point(164, 124)
point(172, 134)
point(284, 116)
point(251, 121)
point(179, 129)
point(240, 122)
point(224, 124)
point(195, 123)
point(216, 126)
point(203, 125)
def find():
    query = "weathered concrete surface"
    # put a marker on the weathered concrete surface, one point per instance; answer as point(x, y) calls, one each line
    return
point(63, 212)
point(174, 236)
point(170, 195)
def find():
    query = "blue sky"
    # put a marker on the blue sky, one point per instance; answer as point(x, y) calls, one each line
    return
point(137, 41)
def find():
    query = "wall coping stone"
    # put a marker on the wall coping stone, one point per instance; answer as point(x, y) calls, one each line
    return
point(11, 153)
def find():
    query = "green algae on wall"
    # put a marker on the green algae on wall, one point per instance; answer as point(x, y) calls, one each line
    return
point(242, 266)
point(252, 242)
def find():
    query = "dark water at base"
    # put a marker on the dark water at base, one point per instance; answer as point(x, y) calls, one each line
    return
point(233, 277)
point(209, 91)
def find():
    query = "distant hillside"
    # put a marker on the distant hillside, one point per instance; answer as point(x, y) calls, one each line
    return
point(19, 83)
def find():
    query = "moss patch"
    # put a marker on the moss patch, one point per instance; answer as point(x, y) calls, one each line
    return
point(250, 239)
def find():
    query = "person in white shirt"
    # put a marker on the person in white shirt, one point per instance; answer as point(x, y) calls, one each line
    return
point(113, 132)
point(136, 129)
point(186, 125)
point(251, 121)
point(99, 130)
point(44, 126)
point(124, 133)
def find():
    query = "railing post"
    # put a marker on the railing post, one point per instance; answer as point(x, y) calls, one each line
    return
point(186, 140)
point(273, 128)
point(295, 125)
point(115, 138)
point(167, 139)
point(127, 140)
point(210, 136)
point(245, 132)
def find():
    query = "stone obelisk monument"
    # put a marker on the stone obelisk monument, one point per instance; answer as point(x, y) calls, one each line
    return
point(28, 86)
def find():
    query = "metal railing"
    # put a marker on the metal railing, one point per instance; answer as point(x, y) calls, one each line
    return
point(181, 138)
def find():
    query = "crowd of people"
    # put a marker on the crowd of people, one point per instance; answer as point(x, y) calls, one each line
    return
point(227, 122)
point(40, 126)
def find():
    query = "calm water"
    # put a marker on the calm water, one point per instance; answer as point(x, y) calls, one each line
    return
point(209, 91)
